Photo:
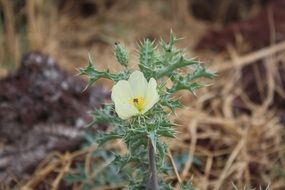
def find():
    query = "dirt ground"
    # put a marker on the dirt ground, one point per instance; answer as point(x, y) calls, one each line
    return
point(235, 127)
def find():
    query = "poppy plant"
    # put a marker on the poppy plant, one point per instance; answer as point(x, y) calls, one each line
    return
point(135, 94)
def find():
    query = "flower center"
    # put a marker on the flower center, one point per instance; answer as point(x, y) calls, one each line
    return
point(138, 102)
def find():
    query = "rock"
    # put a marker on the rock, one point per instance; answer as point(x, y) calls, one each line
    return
point(42, 109)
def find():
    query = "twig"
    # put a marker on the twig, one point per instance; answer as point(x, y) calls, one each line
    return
point(66, 163)
point(229, 163)
point(251, 57)
point(174, 167)
point(40, 176)
point(193, 132)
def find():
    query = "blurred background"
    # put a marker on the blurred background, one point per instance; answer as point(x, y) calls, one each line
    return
point(231, 136)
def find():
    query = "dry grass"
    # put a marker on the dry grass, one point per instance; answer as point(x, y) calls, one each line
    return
point(236, 149)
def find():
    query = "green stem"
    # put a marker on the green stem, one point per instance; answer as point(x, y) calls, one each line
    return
point(153, 183)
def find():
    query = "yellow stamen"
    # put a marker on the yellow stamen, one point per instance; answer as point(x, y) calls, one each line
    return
point(138, 102)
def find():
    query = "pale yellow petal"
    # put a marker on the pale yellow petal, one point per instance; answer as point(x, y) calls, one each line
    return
point(125, 111)
point(152, 96)
point(138, 83)
point(121, 92)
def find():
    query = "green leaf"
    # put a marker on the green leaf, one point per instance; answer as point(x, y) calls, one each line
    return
point(166, 132)
point(104, 137)
point(94, 75)
point(169, 47)
point(171, 103)
point(105, 115)
point(185, 82)
point(200, 72)
point(147, 58)
point(121, 54)
point(120, 161)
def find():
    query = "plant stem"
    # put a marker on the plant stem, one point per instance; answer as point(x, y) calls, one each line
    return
point(153, 184)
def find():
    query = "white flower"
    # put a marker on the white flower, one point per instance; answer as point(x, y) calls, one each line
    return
point(135, 96)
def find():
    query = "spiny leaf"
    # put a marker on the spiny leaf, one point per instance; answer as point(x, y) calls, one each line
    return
point(121, 54)
point(200, 72)
point(94, 75)
point(105, 116)
point(147, 58)
point(104, 137)
point(177, 63)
